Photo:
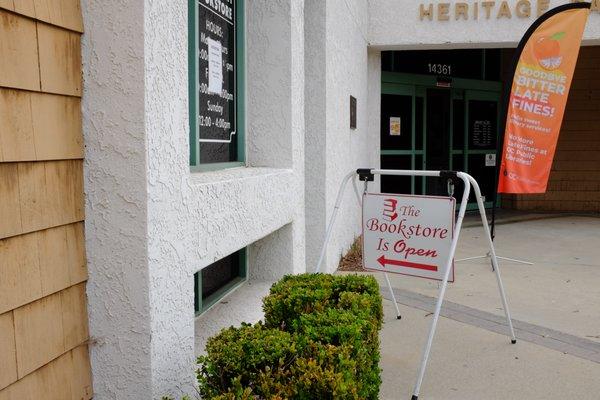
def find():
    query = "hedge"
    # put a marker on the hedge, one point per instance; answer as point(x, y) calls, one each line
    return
point(297, 295)
point(319, 341)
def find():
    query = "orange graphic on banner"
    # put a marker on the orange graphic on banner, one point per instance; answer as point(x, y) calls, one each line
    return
point(537, 102)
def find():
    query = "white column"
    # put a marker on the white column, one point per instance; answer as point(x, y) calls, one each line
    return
point(113, 50)
point(276, 129)
point(172, 219)
point(374, 111)
point(316, 127)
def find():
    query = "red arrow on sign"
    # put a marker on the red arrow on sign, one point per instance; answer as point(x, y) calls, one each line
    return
point(383, 261)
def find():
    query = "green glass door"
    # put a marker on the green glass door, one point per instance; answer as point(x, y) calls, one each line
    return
point(482, 116)
point(428, 127)
point(401, 139)
point(437, 133)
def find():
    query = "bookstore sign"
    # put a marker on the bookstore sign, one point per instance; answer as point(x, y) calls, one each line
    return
point(216, 75)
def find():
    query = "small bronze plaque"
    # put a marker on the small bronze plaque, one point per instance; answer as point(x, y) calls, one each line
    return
point(352, 112)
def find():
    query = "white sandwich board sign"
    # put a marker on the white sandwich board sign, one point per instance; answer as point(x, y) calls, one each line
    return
point(415, 235)
point(409, 235)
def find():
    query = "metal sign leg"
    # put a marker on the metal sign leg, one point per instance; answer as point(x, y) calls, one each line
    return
point(440, 300)
point(493, 257)
point(468, 180)
point(514, 260)
point(387, 279)
point(329, 231)
point(338, 201)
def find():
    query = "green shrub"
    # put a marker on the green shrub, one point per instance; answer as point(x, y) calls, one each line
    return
point(319, 341)
point(240, 356)
point(295, 295)
point(355, 337)
point(284, 368)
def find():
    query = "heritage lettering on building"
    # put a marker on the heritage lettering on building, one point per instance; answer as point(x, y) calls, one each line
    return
point(217, 81)
point(487, 10)
point(409, 235)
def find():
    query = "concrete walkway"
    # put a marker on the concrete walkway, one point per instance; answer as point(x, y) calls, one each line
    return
point(469, 363)
point(556, 303)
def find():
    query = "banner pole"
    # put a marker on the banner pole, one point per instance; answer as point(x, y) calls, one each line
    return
point(500, 142)
point(506, 90)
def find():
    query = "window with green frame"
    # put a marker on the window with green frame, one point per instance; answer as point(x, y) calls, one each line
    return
point(217, 279)
point(216, 83)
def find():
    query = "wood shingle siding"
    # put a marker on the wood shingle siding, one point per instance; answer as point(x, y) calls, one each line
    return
point(39, 126)
point(43, 305)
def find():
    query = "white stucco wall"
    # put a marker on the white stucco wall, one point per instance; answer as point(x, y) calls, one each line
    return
point(151, 223)
point(347, 149)
point(116, 198)
point(336, 68)
point(316, 127)
point(275, 107)
point(374, 113)
point(396, 24)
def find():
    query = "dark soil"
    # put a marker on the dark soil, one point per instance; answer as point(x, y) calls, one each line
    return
point(352, 261)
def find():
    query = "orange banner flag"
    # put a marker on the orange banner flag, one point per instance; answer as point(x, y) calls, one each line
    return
point(547, 56)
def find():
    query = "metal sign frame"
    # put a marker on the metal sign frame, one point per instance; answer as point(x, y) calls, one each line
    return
point(367, 175)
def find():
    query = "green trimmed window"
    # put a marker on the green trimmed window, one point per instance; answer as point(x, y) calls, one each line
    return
point(217, 279)
point(216, 83)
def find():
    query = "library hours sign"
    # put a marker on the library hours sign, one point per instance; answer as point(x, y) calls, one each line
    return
point(217, 83)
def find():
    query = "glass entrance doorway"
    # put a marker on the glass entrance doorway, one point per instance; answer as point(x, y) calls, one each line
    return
point(427, 125)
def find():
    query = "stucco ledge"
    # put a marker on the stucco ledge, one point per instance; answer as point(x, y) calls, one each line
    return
point(235, 174)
